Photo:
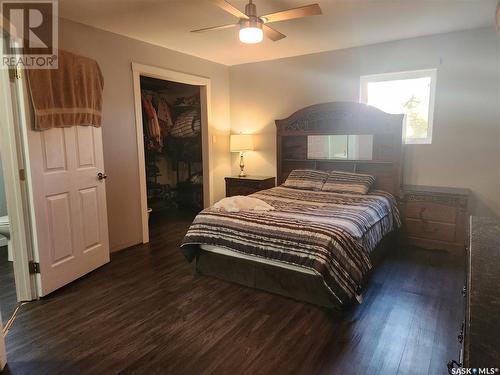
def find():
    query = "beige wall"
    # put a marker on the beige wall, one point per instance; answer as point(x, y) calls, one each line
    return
point(3, 200)
point(465, 150)
point(114, 53)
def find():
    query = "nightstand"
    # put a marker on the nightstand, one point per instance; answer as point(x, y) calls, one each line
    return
point(435, 217)
point(247, 185)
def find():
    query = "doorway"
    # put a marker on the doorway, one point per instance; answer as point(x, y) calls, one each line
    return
point(16, 282)
point(173, 132)
point(171, 118)
point(8, 297)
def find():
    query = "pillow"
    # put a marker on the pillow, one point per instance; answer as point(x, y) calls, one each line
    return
point(346, 182)
point(306, 179)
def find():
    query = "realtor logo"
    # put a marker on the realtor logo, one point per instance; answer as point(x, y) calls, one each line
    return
point(32, 30)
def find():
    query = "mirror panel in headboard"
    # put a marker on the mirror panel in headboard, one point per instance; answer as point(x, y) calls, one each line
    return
point(340, 147)
point(343, 118)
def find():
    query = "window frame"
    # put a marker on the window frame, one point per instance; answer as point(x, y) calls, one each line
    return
point(410, 74)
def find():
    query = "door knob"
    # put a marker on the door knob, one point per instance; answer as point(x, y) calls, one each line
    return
point(101, 176)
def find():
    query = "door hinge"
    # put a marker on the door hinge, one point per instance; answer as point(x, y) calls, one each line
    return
point(15, 73)
point(34, 267)
point(22, 175)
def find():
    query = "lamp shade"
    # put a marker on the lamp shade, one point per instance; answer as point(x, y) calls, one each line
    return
point(241, 142)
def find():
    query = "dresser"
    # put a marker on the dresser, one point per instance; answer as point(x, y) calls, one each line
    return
point(480, 333)
point(248, 185)
point(435, 217)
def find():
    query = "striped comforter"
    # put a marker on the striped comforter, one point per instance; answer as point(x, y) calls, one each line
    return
point(331, 234)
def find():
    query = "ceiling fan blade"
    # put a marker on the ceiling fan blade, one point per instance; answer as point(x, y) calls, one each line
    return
point(215, 28)
point(230, 8)
point(290, 14)
point(272, 34)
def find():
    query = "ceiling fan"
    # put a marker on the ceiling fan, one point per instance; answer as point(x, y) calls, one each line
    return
point(253, 27)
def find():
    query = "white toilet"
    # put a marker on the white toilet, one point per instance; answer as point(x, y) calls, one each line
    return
point(5, 231)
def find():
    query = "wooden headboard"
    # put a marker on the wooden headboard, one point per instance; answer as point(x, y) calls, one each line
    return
point(343, 118)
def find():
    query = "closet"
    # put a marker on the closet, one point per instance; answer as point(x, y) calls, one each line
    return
point(171, 115)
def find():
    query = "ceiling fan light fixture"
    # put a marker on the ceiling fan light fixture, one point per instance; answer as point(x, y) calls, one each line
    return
point(253, 27)
point(251, 31)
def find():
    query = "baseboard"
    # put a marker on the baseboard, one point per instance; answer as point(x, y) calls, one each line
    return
point(3, 241)
point(124, 246)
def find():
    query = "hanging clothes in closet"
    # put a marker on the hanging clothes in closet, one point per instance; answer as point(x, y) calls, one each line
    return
point(172, 141)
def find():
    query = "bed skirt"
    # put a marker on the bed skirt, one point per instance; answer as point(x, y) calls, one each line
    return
point(300, 286)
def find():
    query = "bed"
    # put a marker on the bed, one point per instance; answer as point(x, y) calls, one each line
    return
point(315, 246)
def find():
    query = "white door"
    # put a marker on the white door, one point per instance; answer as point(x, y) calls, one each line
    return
point(69, 204)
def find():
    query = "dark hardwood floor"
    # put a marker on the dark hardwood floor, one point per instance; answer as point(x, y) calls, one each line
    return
point(8, 298)
point(146, 313)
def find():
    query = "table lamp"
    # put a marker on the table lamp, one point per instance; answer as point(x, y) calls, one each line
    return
point(241, 143)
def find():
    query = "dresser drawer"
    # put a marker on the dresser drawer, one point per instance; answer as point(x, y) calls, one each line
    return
point(430, 230)
point(240, 190)
point(247, 185)
point(431, 211)
point(434, 217)
point(242, 183)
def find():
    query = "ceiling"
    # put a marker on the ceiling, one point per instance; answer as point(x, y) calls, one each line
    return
point(344, 23)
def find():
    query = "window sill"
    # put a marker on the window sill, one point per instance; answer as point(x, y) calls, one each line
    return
point(418, 141)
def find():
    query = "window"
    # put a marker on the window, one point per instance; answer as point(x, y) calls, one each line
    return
point(411, 93)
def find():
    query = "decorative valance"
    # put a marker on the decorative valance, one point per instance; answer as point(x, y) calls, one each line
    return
point(68, 96)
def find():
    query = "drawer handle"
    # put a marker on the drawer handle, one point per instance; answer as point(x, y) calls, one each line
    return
point(426, 222)
point(428, 229)
point(464, 291)
point(421, 213)
point(452, 364)
point(460, 336)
